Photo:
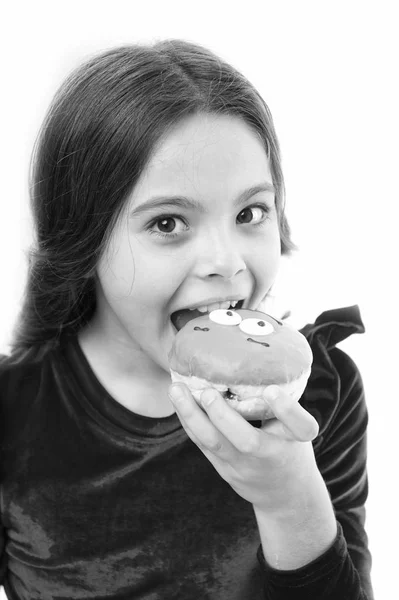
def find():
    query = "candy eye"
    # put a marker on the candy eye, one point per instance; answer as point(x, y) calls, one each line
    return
point(225, 317)
point(256, 327)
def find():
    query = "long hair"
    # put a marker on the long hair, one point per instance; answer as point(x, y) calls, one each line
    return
point(102, 127)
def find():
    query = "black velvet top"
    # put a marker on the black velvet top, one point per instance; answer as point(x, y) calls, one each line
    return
point(100, 502)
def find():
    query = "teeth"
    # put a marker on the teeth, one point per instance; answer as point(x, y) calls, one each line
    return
point(216, 306)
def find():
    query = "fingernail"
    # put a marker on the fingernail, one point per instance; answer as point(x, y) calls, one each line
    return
point(176, 393)
point(207, 398)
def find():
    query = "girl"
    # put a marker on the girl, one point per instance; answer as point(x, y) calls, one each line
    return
point(157, 186)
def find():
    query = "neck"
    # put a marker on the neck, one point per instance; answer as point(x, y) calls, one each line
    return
point(134, 383)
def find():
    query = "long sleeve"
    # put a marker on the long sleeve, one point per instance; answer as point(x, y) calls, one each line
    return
point(343, 571)
point(100, 501)
point(343, 464)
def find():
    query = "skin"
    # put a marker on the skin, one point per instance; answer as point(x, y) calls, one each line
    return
point(143, 278)
point(273, 467)
point(243, 454)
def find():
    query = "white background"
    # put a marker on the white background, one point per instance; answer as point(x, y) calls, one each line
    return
point(329, 72)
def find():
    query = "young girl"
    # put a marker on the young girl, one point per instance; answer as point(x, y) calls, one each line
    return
point(157, 186)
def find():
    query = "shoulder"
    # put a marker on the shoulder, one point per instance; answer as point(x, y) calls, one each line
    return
point(335, 391)
point(333, 326)
point(17, 378)
point(21, 385)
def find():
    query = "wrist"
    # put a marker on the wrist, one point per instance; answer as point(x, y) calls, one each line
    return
point(302, 499)
point(300, 530)
point(295, 484)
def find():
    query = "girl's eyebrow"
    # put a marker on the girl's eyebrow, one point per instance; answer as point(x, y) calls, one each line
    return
point(184, 202)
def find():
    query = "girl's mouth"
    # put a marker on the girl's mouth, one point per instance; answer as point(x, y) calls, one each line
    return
point(182, 317)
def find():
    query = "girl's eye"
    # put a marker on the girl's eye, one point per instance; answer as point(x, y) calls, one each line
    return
point(166, 223)
point(251, 209)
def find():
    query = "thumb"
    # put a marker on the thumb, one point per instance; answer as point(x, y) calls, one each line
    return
point(296, 420)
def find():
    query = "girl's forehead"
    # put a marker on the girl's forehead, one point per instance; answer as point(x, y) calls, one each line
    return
point(198, 137)
point(207, 156)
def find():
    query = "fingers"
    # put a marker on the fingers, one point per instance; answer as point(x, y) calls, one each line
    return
point(234, 427)
point(221, 430)
point(196, 423)
point(297, 421)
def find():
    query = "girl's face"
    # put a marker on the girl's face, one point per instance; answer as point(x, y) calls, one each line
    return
point(165, 257)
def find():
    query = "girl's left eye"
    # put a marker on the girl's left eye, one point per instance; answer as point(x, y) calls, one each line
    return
point(165, 220)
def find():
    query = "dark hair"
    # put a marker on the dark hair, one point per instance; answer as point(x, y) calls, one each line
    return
point(101, 129)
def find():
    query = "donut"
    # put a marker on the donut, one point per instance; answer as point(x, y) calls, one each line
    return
point(240, 353)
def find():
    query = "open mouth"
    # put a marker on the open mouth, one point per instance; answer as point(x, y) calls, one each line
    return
point(182, 317)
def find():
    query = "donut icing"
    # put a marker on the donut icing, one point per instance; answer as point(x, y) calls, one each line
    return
point(240, 347)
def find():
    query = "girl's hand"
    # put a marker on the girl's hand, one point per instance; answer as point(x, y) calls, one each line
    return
point(265, 466)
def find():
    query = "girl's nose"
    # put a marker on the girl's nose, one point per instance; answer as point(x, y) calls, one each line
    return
point(222, 256)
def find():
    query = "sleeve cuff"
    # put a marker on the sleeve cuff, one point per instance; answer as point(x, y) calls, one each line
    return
point(316, 570)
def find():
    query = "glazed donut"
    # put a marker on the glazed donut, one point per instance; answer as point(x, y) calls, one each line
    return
point(240, 353)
